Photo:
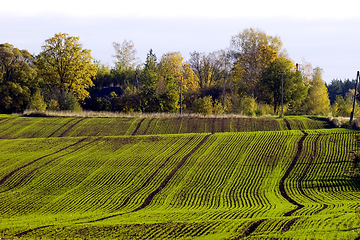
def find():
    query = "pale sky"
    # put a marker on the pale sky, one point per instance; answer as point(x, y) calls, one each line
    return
point(324, 33)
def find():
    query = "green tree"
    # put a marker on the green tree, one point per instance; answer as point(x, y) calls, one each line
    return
point(317, 101)
point(150, 101)
point(17, 79)
point(170, 95)
point(149, 76)
point(252, 49)
point(64, 64)
point(295, 90)
point(343, 106)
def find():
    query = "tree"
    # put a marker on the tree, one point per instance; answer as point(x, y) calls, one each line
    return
point(170, 96)
point(317, 101)
point(125, 54)
point(150, 101)
point(170, 64)
point(252, 49)
point(64, 64)
point(343, 105)
point(190, 80)
point(201, 65)
point(220, 65)
point(294, 89)
point(149, 75)
point(334, 89)
point(124, 72)
point(17, 79)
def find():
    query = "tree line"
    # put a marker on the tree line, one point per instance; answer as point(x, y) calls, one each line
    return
point(249, 77)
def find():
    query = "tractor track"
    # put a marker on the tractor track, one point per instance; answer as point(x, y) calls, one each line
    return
point(148, 126)
point(137, 127)
point(289, 224)
point(287, 173)
point(312, 157)
point(31, 230)
point(287, 124)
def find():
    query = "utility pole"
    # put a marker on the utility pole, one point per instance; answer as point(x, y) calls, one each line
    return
point(353, 110)
point(181, 88)
point(224, 93)
point(282, 94)
point(135, 80)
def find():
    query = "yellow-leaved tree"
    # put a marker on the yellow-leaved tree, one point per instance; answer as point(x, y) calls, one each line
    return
point(317, 101)
point(65, 65)
point(172, 64)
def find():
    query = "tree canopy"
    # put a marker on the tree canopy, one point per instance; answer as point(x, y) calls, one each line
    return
point(245, 78)
point(63, 63)
point(253, 49)
point(317, 101)
point(294, 89)
point(17, 78)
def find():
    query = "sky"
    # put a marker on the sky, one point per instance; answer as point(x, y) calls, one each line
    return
point(324, 33)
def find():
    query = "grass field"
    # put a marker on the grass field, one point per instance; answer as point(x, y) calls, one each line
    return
point(176, 178)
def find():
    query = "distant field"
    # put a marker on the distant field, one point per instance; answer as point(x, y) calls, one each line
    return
point(163, 178)
point(40, 127)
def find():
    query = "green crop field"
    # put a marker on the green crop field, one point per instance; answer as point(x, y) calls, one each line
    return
point(176, 178)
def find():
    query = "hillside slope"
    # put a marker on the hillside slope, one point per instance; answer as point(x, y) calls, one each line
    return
point(261, 184)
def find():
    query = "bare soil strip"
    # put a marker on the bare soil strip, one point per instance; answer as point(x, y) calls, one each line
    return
point(30, 230)
point(287, 124)
point(282, 180)
point(250, 229)
point(34, 161)
point(138, 126)
point(289, 224)
point(69, 128)
point(162, 185)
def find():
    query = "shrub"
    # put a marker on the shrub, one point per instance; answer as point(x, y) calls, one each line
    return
point(53, 105)
point(37, 102)
point(264, 109)
point(203, 105)
point(248, 106)
point(218, 107)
